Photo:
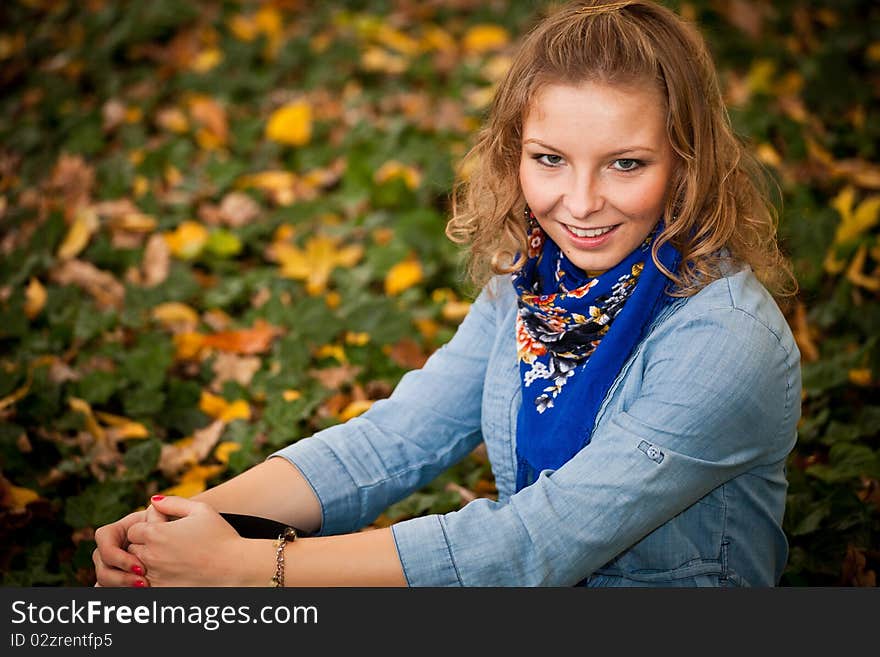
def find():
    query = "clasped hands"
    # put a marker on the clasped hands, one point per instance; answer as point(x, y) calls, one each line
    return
point(174, 542)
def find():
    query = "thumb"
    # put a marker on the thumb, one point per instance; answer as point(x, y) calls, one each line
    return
point(174, 506)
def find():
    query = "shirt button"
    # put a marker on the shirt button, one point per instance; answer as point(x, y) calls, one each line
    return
point(653, 452)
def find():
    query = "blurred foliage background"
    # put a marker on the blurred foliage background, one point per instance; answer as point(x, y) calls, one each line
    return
point(221, 229)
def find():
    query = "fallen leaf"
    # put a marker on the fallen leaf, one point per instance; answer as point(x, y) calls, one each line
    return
point(484, 38)
point(255, 340)
point(334, 378)
point(175, 316)
point(854, 220)
point(291, 124)
point(220, 409)
point(355, 408)
point(15, 498)
point(103, 286)
point(315, 261)
point(211, 115)
point(187, 240)
point(407, 354)
point(34, 298)
point(231, 367)
point(190, 451)
point(224, 449)
point(238, 209)
point(156, 263)
point(402, 276)
point(393, 169)
point(85, 223)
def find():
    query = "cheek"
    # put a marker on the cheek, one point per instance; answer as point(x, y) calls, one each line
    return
point(649, 198)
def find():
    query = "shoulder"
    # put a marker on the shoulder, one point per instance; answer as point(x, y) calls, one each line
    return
point(739, 304)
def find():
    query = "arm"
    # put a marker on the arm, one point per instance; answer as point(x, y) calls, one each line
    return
point(339, 479)
point(719, 395)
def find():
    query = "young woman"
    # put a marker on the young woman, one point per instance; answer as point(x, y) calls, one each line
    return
point(635, 383)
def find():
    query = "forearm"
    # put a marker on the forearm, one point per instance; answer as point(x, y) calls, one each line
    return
point(272, 489)
point(367, 558)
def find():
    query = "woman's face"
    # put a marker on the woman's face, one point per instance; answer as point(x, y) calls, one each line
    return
point(595, 168)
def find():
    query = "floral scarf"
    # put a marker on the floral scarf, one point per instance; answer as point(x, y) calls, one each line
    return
point(574, 332)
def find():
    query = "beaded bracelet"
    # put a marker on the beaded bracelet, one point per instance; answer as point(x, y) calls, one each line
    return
point(289, 534)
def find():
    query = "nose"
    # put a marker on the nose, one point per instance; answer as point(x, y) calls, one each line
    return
point(583, 197)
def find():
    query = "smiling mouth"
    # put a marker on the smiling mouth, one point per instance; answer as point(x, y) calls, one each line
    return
point(589, 232)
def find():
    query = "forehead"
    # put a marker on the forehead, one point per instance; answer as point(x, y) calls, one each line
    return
point(596, 109)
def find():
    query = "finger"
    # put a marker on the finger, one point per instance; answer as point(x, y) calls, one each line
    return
point(107, 576)
point(138, 533)
point(173, 505)
point(111, 540)
point(154, 515)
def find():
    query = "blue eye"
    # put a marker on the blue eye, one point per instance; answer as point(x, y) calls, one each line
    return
point(626, 164)
point(550, 161)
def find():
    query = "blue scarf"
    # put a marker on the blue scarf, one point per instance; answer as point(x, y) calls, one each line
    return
point(574, 332)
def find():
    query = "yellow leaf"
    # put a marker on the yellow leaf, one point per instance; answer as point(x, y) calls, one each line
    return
point(394, 169)
point(128, 431)
point(20, 497)
point(403, 275)
point(188, 345)
point(84, 225)
point(855, 222)
point(315, 261)
point(201, 473)
point(860, 377)
point(485, 37)
point(219, 409)
point(455, 311)
point(768, 155)
point(34, 298)
point(291, 395)
point(855, 275)
point(354, 409)
point(244, 28)
point(134, 222)
point(356, 339)
point(760, 76)
point(332, 299)
point(174, 314)
point(186, 489)
point(279, 184)
point(291, 124)
point(268, 21)
point(379, 60)
point(206, 60)
point(187, 240)
point(224, 449)
point(427, 327)
point(172, 119)
point(92, 426)
point(436, 38)
point(331, 351)
point(397, 40)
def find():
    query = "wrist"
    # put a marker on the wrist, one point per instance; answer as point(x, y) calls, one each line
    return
point(255, 562)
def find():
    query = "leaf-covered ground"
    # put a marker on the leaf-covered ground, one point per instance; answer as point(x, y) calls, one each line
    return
point(221, 229)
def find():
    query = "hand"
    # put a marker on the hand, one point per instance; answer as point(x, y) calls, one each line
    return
point(114, 565)
point(199, 548)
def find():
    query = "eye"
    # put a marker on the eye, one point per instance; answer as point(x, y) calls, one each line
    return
point(548, 159)
point(626, 164)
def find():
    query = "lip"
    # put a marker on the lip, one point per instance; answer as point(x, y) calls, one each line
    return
point(590, 242)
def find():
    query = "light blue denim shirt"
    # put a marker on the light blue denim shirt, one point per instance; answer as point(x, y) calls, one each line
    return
point(682, 484)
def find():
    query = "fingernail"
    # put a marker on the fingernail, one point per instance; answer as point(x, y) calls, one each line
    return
point(139, 583)
point(157, 498)
point(137, 570)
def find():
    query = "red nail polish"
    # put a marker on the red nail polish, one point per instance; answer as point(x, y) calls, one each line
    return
point(139, 583)
point(137, 570)
point(157, 498)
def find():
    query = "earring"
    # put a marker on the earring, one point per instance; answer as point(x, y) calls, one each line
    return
point(531, 221)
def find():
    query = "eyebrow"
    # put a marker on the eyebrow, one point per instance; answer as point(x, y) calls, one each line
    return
point(622, 151)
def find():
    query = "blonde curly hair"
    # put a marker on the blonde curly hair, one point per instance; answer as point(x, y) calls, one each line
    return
point(719, 195)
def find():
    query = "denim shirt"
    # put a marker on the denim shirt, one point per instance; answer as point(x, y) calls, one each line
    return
point(682, 484)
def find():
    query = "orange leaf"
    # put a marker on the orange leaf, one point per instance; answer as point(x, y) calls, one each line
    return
point(254, 340)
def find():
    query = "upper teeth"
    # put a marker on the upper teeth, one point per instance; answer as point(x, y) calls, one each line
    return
point(589, 232)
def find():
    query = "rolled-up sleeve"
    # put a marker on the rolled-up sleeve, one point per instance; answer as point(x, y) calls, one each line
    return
point(431, 421)
point(720, 394)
